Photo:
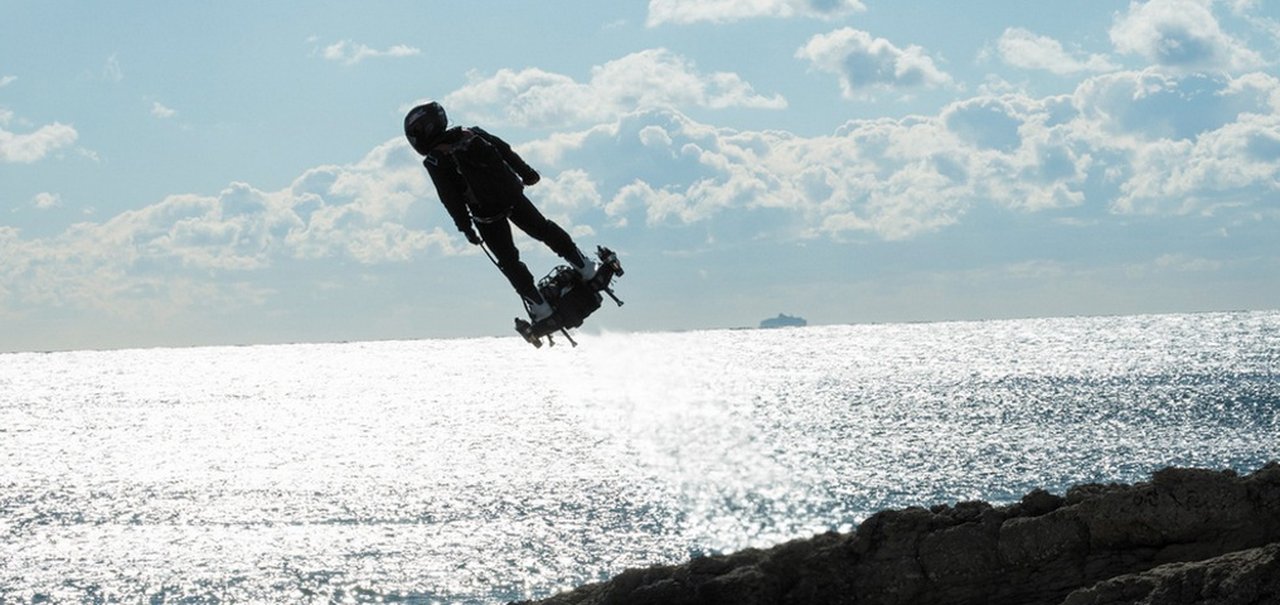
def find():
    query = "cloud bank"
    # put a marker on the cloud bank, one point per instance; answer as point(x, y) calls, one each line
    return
point(1121, 144)
point(158, 253)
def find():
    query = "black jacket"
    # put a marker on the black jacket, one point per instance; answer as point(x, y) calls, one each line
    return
point(476, 174)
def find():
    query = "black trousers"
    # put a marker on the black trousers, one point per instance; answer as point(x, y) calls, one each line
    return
point(497, 235)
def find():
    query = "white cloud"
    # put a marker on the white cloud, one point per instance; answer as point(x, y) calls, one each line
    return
point(1235, 165)
point(1022, 48)
point(360, 211)
point(683, 12)
point(644, 80)
point(570, 191)
point(1182, 35)
point(159, 110)
point(31, 147)
point(1151, 105)
point(350, 53)
point(865, 63)
point(111, 70)
point(34, 146)
point(7, 80)
point(46, 200)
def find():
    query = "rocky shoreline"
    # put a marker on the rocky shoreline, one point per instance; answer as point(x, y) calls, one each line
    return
point(1185, 536)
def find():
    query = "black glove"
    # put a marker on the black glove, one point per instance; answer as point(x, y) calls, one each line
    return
point(472, 236)
point(531, 178)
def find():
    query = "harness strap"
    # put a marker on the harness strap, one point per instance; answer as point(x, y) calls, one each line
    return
point(501, 216)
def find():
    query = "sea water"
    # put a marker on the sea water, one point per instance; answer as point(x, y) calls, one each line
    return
point(483, 470)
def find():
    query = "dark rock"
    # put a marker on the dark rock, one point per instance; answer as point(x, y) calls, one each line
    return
point(1039, 502)
point(1247, 577)
point(1034, 542)
point(1101, 544)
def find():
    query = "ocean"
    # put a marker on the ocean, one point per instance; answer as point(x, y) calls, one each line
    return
point(483, 470)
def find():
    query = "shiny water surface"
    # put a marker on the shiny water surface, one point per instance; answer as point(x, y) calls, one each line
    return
point(481, 471)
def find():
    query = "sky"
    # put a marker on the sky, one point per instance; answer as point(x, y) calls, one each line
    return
point(195, 173)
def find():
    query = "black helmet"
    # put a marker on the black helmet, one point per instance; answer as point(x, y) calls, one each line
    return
point(424, 125)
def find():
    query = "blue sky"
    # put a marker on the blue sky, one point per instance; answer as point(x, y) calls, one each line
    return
point(233, 172)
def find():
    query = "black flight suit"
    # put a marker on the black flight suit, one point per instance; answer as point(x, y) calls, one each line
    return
point(480, 178)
